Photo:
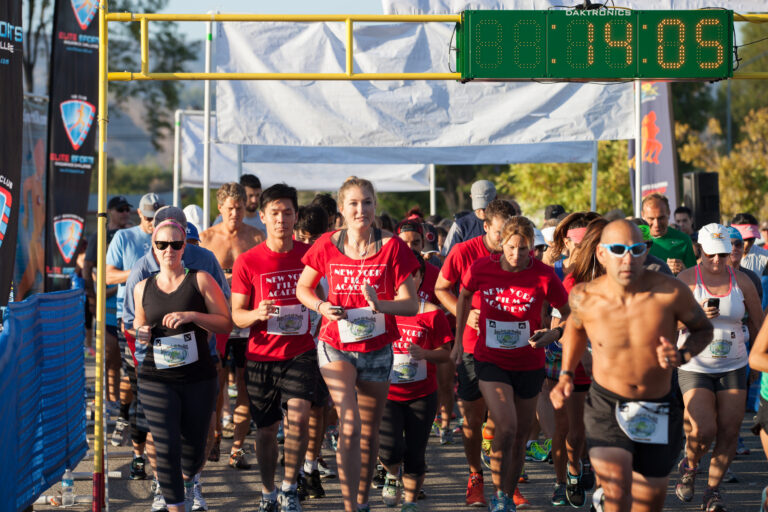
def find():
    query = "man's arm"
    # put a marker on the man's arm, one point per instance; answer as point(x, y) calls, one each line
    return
point(689, 312)
point(117, 276)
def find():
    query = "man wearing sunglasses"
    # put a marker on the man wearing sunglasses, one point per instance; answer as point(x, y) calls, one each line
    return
point(630, 315)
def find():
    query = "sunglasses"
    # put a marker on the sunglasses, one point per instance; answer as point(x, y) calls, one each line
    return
point(124, 209)
point(162, 245)
point(619, 250)
point(722, 255)
point(737, 243)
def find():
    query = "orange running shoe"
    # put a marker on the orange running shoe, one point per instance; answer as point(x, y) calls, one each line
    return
point(520, 501)
point(475, 497)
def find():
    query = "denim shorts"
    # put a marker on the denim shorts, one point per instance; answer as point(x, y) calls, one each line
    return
point(373, 366)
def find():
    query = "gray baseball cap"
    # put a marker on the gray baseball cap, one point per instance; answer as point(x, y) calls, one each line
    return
point(149, 205)
point(482, 193)
point(170, 212)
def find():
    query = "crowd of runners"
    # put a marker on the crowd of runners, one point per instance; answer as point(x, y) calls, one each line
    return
point(618, 347)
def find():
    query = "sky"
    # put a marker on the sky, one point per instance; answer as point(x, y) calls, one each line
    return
point(196, 30)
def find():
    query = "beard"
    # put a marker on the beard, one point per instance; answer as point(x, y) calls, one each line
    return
point(251, 208)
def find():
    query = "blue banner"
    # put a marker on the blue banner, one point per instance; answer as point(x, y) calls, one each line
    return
point(658, 172)
point(42, 394)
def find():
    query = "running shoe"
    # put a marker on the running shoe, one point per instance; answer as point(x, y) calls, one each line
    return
point(120, 434)
point(574, 491)
point(485, 452)
point(409, 506)
point(763, 499)
point(215, 452)
point(158, 501)
point(730, 477)
point(289, 501)
point(138, 471)
point(741, 449)
point(713, 502)
point(364, 508)
point(536, 452)
point(446, 436)
point(435, 432)
point(587, 475)
point(421, 495)
point(325, 470)
point(392, 490)
point(379, 477)
point(232, 391)
point(237, 460)
point(267, 506)
point(475, 488)
point(558, 496)
point(523, 479)
point(519, 500)
point(313, 485)
point(498, 503)
point(684, 488)
point(598, 500)
point(227, 428)
point(301, 487)
point(331, 441)
point(198, 502)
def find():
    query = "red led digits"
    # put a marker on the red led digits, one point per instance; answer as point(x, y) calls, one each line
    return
point(707, 43)
point(488, 38)
point(577, 42)
point(626, 44)
point(665, 44)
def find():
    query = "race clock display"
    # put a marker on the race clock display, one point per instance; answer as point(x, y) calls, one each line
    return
point(595, 45)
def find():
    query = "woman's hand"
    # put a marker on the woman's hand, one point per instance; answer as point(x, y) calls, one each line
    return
point(544, 337)
point(417, 352)
point(144, 334)
point(179, 318)
point(331, 312)
point(710, 311)
point(473, 319)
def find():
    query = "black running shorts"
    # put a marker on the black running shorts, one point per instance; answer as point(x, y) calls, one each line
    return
point(525, 383)
point(723, 381)
point(468, 389)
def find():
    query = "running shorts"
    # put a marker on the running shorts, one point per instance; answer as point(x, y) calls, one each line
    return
point(734, 379)
point(761, 418)
point(468, 390)
point(525, 383)
point(374, 366)
point(602, 428)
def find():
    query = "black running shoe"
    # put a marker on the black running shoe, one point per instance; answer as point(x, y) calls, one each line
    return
point(379, 477)
point(138, 471)
point(574, 490)
point(314, 487)
point(587, 475)
point(301, 487)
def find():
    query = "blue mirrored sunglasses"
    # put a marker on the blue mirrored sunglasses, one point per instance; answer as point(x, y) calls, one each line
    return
point(619, 250)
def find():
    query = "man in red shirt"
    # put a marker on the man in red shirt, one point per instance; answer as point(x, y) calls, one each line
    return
point(282, 373)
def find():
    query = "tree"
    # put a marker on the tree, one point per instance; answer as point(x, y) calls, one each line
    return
point(36, 37)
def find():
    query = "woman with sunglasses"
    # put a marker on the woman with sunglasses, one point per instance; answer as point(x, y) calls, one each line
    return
point(509, 354)
point(176, 310)
point(714, 383)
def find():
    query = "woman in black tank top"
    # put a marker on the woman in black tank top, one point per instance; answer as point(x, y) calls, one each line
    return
point(176, 310)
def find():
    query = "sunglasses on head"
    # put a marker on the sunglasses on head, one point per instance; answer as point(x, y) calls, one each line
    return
point(619, 250)
point(162, 245)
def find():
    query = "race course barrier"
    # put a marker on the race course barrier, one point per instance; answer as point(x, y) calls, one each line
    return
point(42, 394)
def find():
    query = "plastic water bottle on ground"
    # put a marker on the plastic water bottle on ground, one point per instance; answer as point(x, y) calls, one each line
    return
point(67, 489)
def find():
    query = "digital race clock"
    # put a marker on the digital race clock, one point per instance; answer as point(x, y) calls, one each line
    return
point(595, 45)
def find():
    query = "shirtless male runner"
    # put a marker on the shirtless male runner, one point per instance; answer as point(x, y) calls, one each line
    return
point(630, 316)
point(228, 240)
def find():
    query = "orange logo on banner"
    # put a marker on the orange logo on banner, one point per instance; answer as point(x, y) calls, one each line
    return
point(651, 146)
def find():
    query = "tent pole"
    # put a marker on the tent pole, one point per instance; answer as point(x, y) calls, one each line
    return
point(207, 131)
point(638, 146)
point(177, 157)
point(239, 161)
point(593, 199)
point(432, 195)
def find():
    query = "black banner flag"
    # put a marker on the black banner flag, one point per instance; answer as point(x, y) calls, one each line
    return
point(72, 133)
point(11, 105)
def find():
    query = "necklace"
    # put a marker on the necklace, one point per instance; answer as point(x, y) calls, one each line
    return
point(356, 245)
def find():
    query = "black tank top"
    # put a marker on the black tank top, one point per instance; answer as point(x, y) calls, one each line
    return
point(173, 345)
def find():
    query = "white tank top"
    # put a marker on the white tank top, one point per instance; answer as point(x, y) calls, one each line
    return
point(728, 350)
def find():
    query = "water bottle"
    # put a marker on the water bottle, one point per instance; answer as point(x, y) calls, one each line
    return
point(67, 489)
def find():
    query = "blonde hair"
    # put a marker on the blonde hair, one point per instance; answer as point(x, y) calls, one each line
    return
point(232, 189)
point(354, 181)
point(518, 225)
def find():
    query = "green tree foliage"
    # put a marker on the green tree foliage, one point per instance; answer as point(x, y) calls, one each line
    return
point(536, 185)
point(134, 179)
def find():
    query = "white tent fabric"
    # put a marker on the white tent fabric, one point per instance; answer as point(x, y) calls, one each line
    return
point(456, 6)
point(417, 114)
point(303, 176)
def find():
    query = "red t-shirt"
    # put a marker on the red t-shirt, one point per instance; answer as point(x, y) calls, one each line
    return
point(510, 310)
point(262, 274)
point(413, 379)
point(427, 288)
point(457, 263)
point(386, 270)
point(580, 376)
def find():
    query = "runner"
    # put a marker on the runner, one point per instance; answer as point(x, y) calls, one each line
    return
point(282, 371)
point(252, 186)
point(175, 310)
point(365, 269)
point(758, 361)
point(471, 403)
point(424, 345)
point(737, 253)
point(471, 225)
point(509, 354)
point(684, 220)
point(565, 239)
point(669, 244)
point(630, 315)
point(755, 257)
point(714, 383)
point(228, 240)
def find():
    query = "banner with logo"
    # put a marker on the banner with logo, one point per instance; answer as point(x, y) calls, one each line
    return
point(11, 97)
point(658, 172)
point(72, 134)
point(29, 272)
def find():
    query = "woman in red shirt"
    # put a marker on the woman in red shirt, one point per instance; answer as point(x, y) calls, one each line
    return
point(365, 268)
point(509, 353)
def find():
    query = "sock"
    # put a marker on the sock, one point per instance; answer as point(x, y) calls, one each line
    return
point(287, 487)
point(310, 466)
point(125, 411)
point(269, 496)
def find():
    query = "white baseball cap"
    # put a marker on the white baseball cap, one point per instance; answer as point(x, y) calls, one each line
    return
point(715, 239)
point(538, 238)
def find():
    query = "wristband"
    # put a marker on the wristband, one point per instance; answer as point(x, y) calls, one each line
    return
point(568, 373)
point(318, 304)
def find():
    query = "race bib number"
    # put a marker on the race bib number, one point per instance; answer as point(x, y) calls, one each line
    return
point(175, 351)
point(644, 422)
point(406, 370)
point(722, 345)
point(289, 320)
point(361, 324)
point(506, 335)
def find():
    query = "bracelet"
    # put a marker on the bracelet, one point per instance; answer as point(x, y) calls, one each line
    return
point(681, 353)
point(568, 373)
point(318, 304)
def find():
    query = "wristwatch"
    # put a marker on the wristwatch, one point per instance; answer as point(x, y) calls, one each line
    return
point(569, 373)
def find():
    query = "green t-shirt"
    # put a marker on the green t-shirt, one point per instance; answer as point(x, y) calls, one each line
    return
point(676, 245)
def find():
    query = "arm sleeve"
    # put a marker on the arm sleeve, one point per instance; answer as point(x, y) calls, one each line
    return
point(315, 256)
point(404, 262)
point(135, 277)
point(441, 331)
point(689, 259)
point(468, 280)
point(115, 251)
point(241, 282)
